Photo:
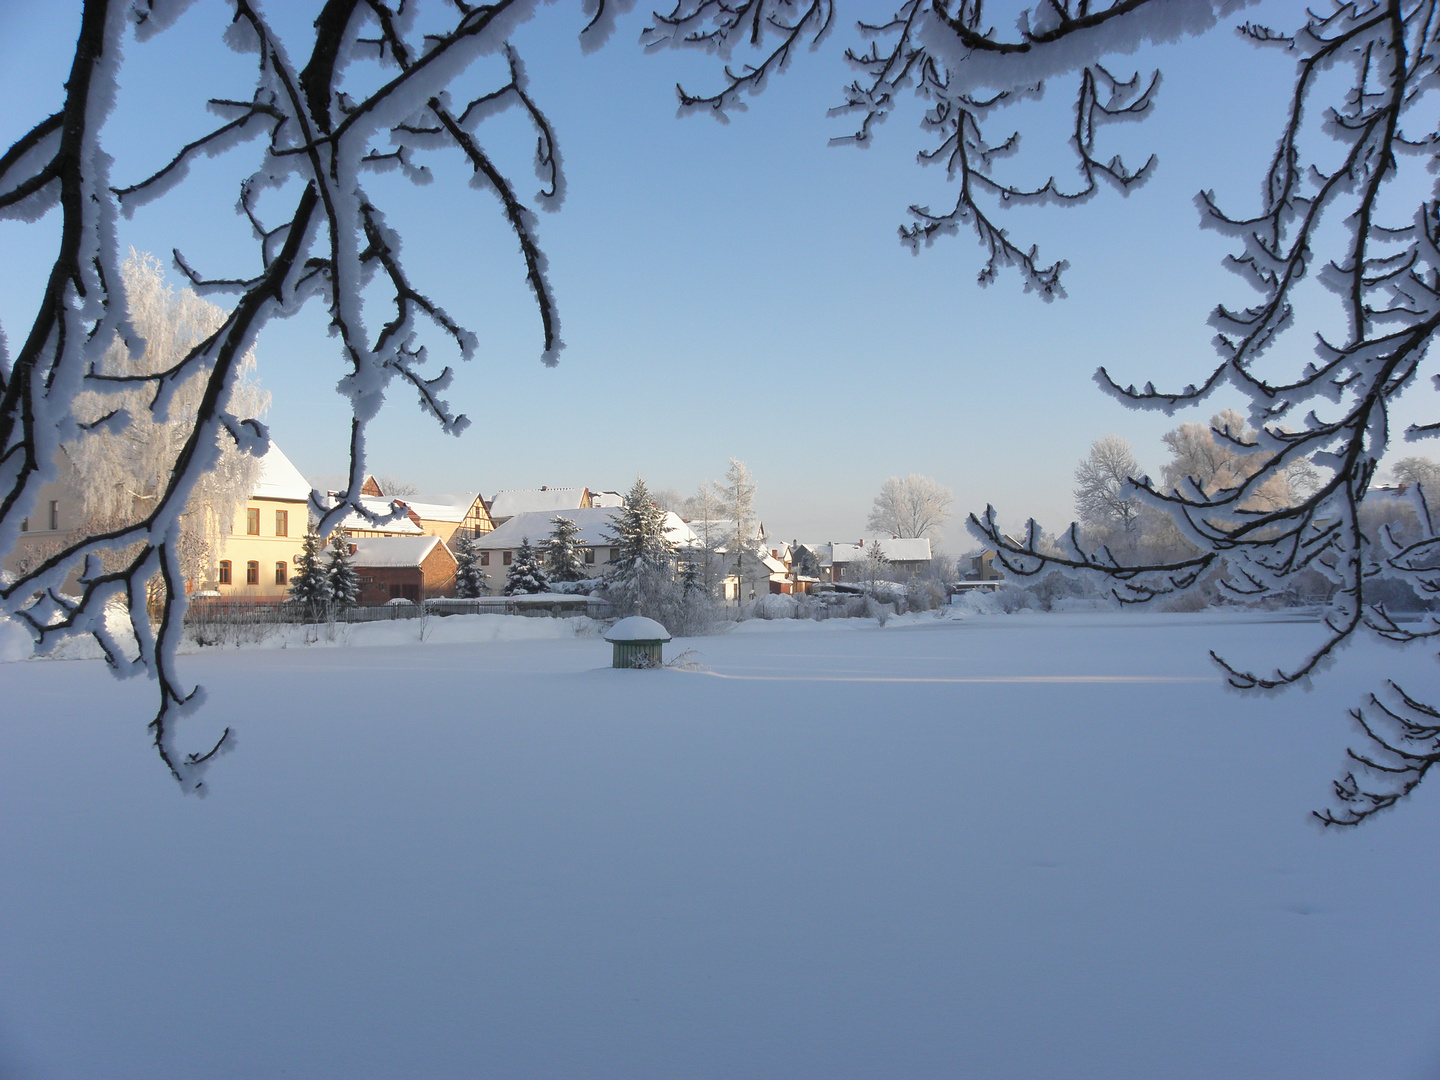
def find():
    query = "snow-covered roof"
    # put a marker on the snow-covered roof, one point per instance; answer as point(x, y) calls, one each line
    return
point(677, 532)
point(442, 507)
point(910, 549)
point(533, 500)
point(373, 551)
point(637, 628)
point(593, 522)
point(609, 499)
point(279, 479)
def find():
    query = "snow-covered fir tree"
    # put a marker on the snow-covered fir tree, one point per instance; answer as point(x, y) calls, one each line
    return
point(309, 583)
point(692, 579)
point(469, 577)
point(638, 534)
point(341, 580)
point(641, 574)
point(526, 574)
point(563, 559)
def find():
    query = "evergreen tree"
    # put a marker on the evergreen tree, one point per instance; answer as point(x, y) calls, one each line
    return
point(641, 574)
point(469, 578)
point(341, 580)
point(309, 584)
point(526, 574)
point(692, 578)
point(638, 534)
point(563, 560)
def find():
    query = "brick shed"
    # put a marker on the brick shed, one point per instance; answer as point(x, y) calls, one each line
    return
point(412, 567)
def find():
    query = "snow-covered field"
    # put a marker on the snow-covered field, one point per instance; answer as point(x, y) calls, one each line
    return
point(1015, 846)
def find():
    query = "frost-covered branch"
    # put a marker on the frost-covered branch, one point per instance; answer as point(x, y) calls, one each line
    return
point(1334, 225)
point(967, 75)
point(319, 130)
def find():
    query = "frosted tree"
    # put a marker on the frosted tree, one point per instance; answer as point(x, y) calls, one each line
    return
point(737, 496)
point(874, 565)
point(120, 472)
point(363, 90)
point(564, 560)
point(526, 574)
point(1104, 496)
point(703, 512)
point(1418, 470)
point(309, 584)
point(342, 583)
point(397, 489)
point(470, 577)
point(911, 506)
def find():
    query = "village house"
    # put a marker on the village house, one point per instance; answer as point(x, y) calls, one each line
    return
point(411, 568)
point(497, 548)
point(511, 503)
point(257, 559)
point(57, 514)
point(450, 516)
point(906, 556)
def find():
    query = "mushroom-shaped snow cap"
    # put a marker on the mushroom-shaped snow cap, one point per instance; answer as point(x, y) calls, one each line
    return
point(637, 628)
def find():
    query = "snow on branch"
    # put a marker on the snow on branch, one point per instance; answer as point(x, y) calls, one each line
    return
point(323, 126)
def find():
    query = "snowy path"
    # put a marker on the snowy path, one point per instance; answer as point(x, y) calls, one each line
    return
point(930, 850)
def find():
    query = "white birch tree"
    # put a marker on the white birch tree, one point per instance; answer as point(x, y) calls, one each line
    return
point(121, 472)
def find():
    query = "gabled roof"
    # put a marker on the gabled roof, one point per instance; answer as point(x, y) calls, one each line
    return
point(607, 498)
point(534, 500)
point(593, 523)
point(910, 549)
point(442, 507)
point(394, 551)
point(279, 479)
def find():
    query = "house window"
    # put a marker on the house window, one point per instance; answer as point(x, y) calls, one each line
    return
point(589, 555)
point(252, 573)
point(252, 521)
point(484, 558)
point(224, 571)
point(54, 514)
point(280, 573)
point(508, 556)
point(282, 525)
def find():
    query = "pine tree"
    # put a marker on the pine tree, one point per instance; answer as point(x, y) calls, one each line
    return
point(341, 580)
point(563, 560)
point(469, 578)
point(309, 583)
point(526, 574)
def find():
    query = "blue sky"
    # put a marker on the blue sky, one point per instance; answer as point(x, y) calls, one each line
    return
point(726, 289)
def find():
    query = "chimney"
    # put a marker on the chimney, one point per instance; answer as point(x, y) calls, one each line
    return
point(544, 488)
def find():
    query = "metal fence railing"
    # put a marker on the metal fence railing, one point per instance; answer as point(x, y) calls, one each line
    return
point(262, 612)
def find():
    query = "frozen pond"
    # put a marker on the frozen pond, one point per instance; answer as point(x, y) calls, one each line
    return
point(1013, 847)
